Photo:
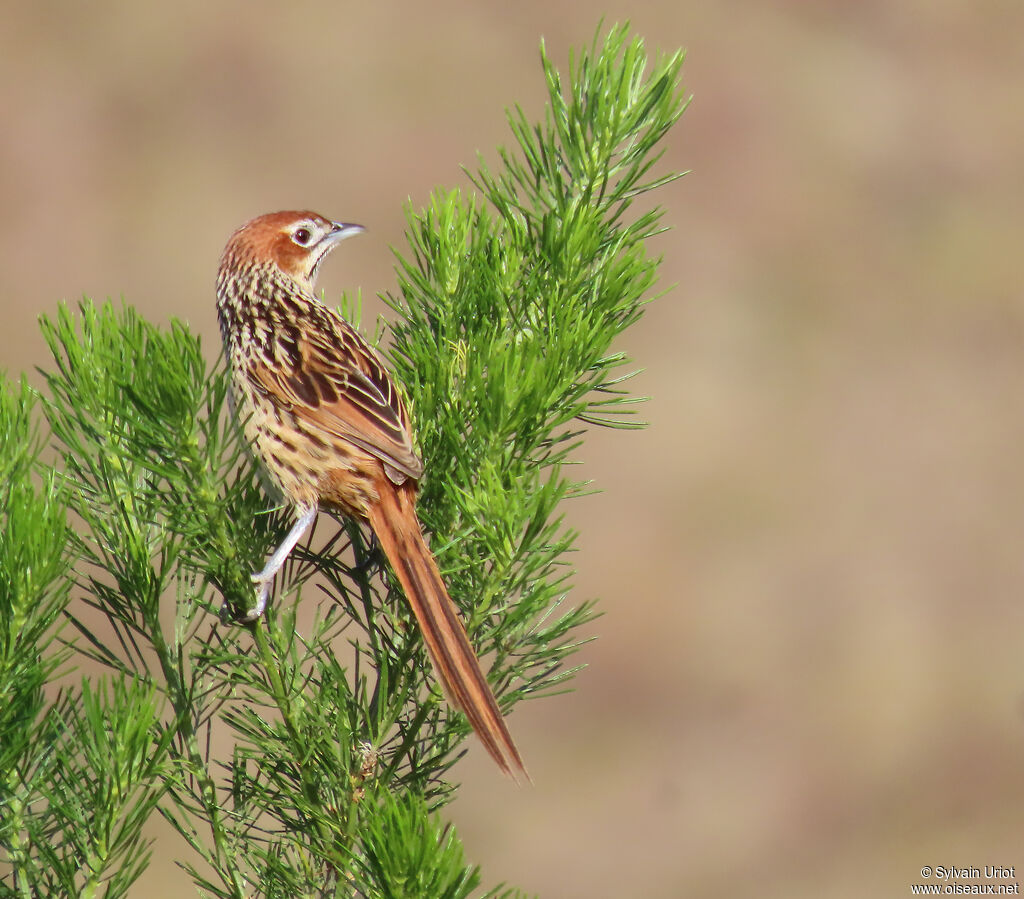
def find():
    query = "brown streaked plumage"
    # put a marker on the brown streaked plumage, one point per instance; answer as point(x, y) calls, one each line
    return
point(331, 431)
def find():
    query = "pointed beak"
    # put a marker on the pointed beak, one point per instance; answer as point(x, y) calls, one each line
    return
point(341, 230)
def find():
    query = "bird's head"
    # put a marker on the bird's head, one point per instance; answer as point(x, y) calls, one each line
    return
point(295, 242)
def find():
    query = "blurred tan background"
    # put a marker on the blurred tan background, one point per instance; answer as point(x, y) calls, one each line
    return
point(809, 680)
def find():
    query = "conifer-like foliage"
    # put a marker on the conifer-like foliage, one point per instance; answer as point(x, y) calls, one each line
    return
point(310, 754)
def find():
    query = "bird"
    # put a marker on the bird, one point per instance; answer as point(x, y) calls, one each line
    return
point(331, 431)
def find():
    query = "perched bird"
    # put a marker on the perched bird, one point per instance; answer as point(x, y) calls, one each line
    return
point(329, 427)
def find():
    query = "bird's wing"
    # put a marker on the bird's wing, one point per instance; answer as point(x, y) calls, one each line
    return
point(331, 378)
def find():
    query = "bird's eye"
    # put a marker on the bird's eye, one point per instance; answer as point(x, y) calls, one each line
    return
point(302, 236)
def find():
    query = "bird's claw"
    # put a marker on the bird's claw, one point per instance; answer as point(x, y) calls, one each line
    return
point(227, 612)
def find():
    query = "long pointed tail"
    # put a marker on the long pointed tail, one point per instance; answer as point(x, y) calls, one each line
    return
point(398, 529)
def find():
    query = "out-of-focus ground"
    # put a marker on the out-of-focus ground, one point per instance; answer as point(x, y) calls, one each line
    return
point(809, 680)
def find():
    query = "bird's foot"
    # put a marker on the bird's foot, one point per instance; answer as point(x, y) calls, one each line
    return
point(263, 585)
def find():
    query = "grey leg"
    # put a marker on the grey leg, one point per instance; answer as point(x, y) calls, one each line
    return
point(265, 578)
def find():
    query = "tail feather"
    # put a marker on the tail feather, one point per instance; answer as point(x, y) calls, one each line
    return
point(398, 529)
